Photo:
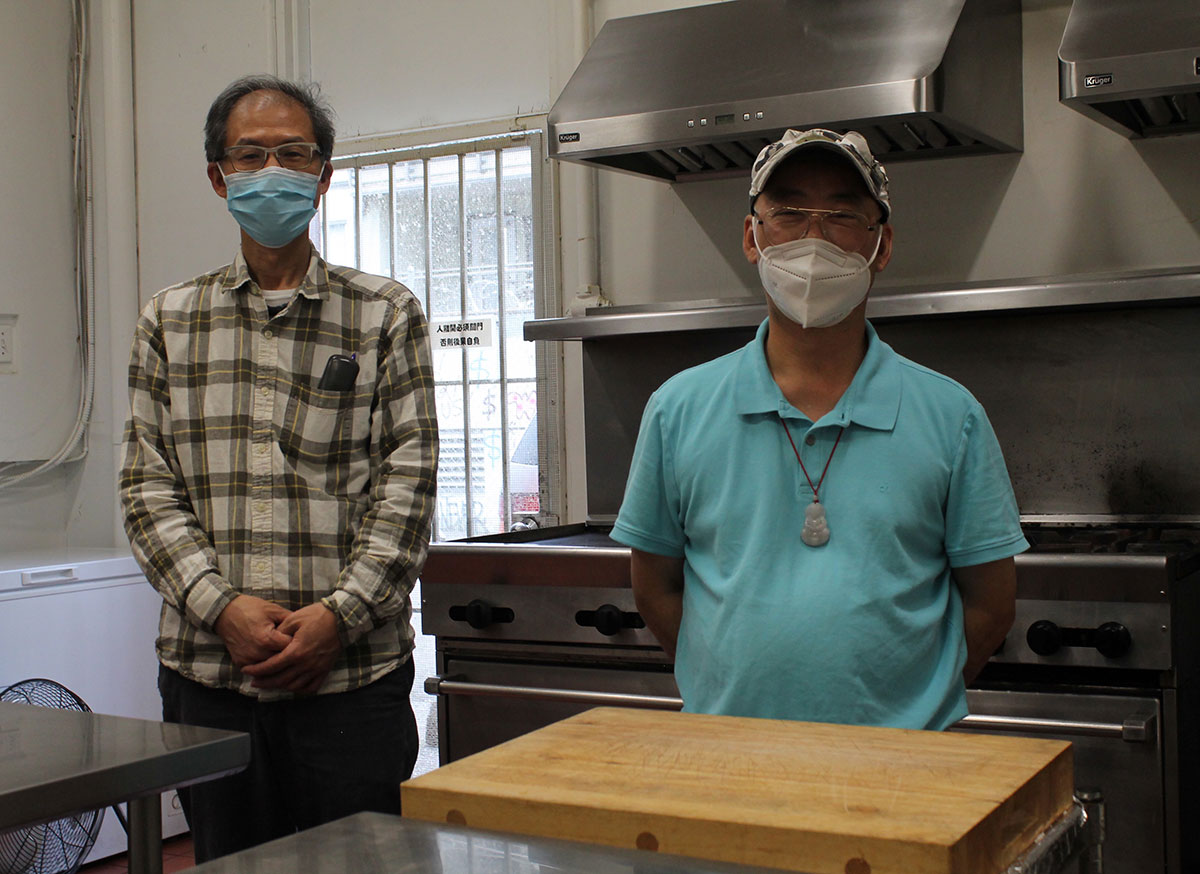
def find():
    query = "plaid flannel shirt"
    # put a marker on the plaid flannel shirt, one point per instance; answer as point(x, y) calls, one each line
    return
point(241, 475)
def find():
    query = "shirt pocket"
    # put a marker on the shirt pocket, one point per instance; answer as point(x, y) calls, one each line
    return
point(321, 429)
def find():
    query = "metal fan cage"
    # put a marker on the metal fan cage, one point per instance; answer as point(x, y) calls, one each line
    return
point(57, 847)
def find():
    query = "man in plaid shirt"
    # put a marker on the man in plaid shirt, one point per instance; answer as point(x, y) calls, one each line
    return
point(278, 486)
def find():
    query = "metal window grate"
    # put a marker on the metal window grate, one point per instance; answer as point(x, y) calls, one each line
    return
point(463, 224)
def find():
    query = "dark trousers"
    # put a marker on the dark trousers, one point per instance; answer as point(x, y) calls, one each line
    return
point(312, 759)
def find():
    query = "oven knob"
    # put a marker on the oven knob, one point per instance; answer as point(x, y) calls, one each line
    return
point(1044, 637)
point(479, 614)
point(1113, 640)
point(609, 619)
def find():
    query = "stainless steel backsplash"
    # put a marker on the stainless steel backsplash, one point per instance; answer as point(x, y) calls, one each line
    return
point(1098, 411)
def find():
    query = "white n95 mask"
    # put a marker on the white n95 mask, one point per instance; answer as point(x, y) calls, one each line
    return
point(813, 282)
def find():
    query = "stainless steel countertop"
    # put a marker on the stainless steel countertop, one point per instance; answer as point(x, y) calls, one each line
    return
point(377, 843)
point(60, 762)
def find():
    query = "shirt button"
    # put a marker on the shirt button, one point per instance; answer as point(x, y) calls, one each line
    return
point(261, 506)
point(810, 440)
point(260, 449)
point(268, 333)
point(264, 391)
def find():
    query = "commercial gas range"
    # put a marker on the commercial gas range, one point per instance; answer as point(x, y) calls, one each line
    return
point(535, 626)
point(1103, 653)
point(1090, 384)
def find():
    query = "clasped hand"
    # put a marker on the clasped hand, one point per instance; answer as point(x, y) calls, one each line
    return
point(280, 648)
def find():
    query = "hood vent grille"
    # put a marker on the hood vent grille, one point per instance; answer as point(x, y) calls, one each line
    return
point(1155, 116)
point(695, 93)
point(1133, 65)
point(914, 138)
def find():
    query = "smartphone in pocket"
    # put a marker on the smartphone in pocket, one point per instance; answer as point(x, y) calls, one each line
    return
point(340, 373)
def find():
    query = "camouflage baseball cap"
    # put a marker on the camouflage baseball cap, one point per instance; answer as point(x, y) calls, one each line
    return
point(851, 144)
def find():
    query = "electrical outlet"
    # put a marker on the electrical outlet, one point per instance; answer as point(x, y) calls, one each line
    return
point(8, 341)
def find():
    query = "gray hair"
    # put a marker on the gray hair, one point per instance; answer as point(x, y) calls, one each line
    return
point(308, 95)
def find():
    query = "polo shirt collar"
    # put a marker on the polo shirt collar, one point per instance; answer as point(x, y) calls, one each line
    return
point(872, 400)
point(314, 286)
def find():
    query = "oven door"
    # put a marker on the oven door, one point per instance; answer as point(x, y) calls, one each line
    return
point(485, 702)
point(1118, 752)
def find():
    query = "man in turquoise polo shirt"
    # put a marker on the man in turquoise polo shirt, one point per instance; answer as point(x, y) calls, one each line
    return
point(821, 529)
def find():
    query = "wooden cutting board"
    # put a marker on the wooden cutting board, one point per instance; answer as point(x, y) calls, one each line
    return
point(802, 796)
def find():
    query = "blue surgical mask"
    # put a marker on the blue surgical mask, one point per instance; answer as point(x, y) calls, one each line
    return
point(273, 205)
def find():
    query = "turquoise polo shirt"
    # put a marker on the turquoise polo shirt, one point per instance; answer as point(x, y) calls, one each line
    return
point(866, 629)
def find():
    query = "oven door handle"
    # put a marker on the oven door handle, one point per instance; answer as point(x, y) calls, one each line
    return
point(1137, 728)
point(456, 686)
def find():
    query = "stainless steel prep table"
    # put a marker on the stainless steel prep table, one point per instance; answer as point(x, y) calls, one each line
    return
point(378, 843)
point(59, 762)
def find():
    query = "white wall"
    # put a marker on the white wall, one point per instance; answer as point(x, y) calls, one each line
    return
point(185, 53)
point(398, 67)
point(1080, 198)
point(36, 246)
point(73, 504)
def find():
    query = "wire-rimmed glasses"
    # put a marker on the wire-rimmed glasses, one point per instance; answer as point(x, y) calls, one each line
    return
point(844, 228)
point(293, 156)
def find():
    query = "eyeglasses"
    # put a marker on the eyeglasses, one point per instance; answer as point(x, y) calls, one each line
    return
point(293, 156)
point(844, 228)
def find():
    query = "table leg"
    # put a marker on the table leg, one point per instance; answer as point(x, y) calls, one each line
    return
point(145, 835)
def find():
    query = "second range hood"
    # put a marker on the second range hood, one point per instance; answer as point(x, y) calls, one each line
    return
point(696, 92)
point(1133, 65)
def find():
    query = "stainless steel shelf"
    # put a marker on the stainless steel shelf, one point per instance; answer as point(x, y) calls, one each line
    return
point(1104, 290)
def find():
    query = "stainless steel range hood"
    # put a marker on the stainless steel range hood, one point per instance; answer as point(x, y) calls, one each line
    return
point(1133, 65)
point(696, 92)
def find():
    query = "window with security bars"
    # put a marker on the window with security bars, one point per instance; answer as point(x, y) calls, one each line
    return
point(461, 224)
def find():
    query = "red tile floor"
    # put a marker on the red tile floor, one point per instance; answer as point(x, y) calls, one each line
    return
point(177, 856)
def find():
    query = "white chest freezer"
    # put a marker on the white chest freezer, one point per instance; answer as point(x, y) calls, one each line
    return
point(89, 623)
